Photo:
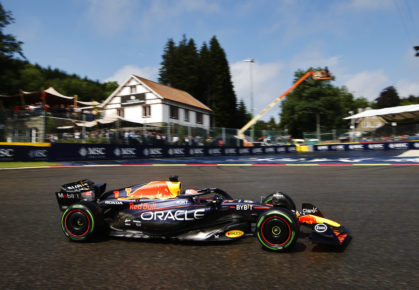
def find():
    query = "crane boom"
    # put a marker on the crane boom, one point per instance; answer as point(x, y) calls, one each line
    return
point(317, 75)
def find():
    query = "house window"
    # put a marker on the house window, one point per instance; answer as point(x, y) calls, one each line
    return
point(186, 115)
point(199, 118)
point(120, 112)
point(133, 89)
point(174, 112)
point(146, 111)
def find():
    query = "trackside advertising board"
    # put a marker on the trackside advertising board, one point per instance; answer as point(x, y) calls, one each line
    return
point(368, 146)
point(86, 152)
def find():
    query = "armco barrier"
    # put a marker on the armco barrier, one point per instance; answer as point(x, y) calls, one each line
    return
point(85, 152)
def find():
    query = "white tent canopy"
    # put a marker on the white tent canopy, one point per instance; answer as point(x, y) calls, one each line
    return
point(392, 113)
point(104, 121)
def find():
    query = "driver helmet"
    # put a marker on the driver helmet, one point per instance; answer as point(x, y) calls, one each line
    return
point(190, 191)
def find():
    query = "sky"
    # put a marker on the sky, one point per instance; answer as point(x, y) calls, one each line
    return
point(366, 44)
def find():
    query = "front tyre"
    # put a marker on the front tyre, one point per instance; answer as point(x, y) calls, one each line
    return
point(79, 223)
point(277, 230)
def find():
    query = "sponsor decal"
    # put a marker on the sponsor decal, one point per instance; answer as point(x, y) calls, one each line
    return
point(244, 206)
point(196, 151)
point(68, 195)
point(281, 149)
point(230, 151)
point(244, 151)
point(269, 150)
point(320, 228)
point(234, 234)
point(178, 215)
point(142, 206)
point(153, 151)
point(292, 149)
point(398, 145)
point(41, 153)
point(8, 153)
point(416, 145)
point(214, 151)
point(356, 147)
point(338, 147)
point(322, 147)
point(257, 150)
point(76, 186)
point(125, 152)
point(113, 202)
point(176, 151)
point(310, 211)
point(93, 152)
point(376, 146)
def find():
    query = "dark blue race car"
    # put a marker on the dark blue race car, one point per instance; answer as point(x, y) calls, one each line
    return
point(160, 209)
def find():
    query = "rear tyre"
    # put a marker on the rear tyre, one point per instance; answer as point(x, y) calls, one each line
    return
point(277, 230)
point(80, 221)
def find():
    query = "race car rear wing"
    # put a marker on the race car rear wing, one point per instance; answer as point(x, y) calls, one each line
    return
point(80, 190)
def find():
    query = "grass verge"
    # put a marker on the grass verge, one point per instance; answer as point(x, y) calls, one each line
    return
point(25, 164)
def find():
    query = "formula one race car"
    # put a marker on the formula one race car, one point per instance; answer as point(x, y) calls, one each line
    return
point(159, 209)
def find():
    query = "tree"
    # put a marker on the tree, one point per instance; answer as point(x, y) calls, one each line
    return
point(411, 100)
point(223, 99)
point(242, 115)
point(388, 98)
point(315, 100)
point(180, 66)
point(205, 75)
point(9, 46)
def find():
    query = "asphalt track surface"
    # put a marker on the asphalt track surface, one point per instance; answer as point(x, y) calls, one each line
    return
point(378, 203)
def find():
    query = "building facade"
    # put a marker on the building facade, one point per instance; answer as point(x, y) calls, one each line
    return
point(143, 101)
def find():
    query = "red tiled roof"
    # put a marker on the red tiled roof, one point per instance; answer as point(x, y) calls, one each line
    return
point(173, 94)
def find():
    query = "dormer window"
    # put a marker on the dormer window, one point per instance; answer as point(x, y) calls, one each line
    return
point(133, 89)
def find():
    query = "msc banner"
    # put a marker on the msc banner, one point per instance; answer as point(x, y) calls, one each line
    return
point(368, 146)
point(68, 152)
point(25, 153)
point(86, 152)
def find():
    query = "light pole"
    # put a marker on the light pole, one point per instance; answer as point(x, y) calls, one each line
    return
point(252, 112)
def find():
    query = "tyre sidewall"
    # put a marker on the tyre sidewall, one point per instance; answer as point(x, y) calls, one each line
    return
point(83, 213)
point(284, 227)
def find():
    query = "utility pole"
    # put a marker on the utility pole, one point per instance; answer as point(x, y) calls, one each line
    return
point(252, 110)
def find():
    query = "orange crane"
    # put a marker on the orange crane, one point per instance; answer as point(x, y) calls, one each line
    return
point(317, 75)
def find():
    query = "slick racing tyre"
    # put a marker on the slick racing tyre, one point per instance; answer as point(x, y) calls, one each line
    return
point(282, 200)
point(277, 230)
point(80, 221)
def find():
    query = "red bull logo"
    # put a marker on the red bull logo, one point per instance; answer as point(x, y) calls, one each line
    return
point(142, 206)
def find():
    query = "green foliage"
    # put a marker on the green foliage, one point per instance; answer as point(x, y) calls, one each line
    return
point(313, 100)
point(411, 100)
point(9, 46)
point(28, 77)
point(204, 75)
point(388, 98)
point(242, 116)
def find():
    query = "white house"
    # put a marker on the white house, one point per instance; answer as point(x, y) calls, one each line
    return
point(143, 101)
